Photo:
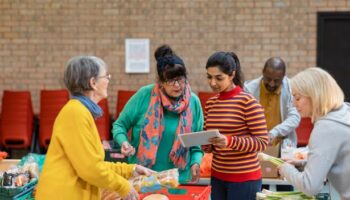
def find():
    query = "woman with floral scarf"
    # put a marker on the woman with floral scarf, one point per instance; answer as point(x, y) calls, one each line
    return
point(156, 115)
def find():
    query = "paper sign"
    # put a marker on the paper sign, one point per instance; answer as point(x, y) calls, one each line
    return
point(137, 55)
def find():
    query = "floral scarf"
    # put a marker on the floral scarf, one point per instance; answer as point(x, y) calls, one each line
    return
point(153, 127)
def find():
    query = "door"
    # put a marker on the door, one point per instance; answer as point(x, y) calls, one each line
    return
point(333, 47)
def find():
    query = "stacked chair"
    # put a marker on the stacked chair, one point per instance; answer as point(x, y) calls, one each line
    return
point(204, 96)
point(123, 98)
point(104, 123)
point(304, 131)
point(17, 120)
point(51, 102)
point(18, 124)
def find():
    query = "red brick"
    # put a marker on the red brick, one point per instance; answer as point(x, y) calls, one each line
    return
point(37, 37)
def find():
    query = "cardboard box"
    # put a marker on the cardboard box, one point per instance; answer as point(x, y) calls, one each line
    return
point(8, 163)
point(268, 169)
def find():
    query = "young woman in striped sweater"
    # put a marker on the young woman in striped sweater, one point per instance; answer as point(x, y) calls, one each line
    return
point(236, 172)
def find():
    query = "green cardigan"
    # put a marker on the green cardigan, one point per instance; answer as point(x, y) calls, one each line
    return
point(132, 117)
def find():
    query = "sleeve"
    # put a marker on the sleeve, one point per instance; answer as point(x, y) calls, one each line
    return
point(127, 118)
point(246, 87)
point(290, 123)
point(205, 115)
point(321, 157)
point(79, 144)
point(256, 123)
point(197, 124)
point(205, 119)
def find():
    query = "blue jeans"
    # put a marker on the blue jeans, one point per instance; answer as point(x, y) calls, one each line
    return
point(224, 190)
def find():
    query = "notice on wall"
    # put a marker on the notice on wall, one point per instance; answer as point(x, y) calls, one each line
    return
point(137, 55)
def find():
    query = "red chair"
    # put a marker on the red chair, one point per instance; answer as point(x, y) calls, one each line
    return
point(51, 102)
point(104, 122)
point(204, 96)
point(303, 131)
point(122, 98)
point(17, 117)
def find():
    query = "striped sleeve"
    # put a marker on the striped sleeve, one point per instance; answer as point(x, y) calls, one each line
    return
point(256, 124)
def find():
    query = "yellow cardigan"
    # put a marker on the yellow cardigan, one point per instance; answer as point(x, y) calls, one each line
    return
point(74, 167)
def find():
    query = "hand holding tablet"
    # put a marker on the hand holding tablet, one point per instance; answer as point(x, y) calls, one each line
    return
point(198, 138)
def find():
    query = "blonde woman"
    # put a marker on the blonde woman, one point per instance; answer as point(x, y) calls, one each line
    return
point(317, 95)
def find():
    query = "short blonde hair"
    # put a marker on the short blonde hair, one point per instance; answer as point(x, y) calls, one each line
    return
point(321, 88)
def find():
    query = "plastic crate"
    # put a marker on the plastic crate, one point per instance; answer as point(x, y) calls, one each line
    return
point(25, 195)
point(24, 192)
point(193, 193)
point(18, 193)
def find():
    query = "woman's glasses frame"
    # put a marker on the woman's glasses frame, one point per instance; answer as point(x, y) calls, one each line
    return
point(179, 80)
point(107, 76)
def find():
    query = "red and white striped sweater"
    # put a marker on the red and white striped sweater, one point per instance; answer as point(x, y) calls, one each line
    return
point(238, 116)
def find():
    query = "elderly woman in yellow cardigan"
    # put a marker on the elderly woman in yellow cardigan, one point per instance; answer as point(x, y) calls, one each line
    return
point(75, 166)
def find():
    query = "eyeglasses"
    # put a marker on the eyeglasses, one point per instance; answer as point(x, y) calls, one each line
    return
point(107, 76)
point(172, 82)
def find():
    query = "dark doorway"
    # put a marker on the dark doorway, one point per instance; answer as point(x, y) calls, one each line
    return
point(333, 46)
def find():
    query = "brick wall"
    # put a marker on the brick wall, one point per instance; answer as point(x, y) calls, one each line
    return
point(37, 37)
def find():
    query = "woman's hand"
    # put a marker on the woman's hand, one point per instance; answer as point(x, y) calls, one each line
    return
point(195, 171)
point(141, 170)
point(220, 141)
point(127, 149)
point(295, 162)
point(207, 148)
point(132, 195)
point(274, 141)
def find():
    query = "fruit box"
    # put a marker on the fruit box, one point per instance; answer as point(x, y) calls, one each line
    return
point(268, 169)
point(8, 163)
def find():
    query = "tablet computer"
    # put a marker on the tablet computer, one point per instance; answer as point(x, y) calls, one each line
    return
point(198, 138)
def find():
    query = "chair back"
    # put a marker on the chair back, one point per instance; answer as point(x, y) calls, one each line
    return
point(204, 96)
point(304, 131)
point(51, 102)
point(104, 122)
point(17, 117)
point(122, 98)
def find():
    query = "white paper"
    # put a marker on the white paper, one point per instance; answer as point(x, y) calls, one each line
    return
point(198, 138)
point(137, 55)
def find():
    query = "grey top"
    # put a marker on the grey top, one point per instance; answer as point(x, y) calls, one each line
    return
point(289, 114)
point(329, 156)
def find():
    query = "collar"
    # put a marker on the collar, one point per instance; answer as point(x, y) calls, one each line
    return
point(265, 91)
point(231, 93)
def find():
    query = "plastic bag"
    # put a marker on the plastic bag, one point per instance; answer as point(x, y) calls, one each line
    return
point(107, 194)
point(168, 179)
point(25, 172)
point(33, 158)
point(205, 166)
point(15, 177)
point(30, 165)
